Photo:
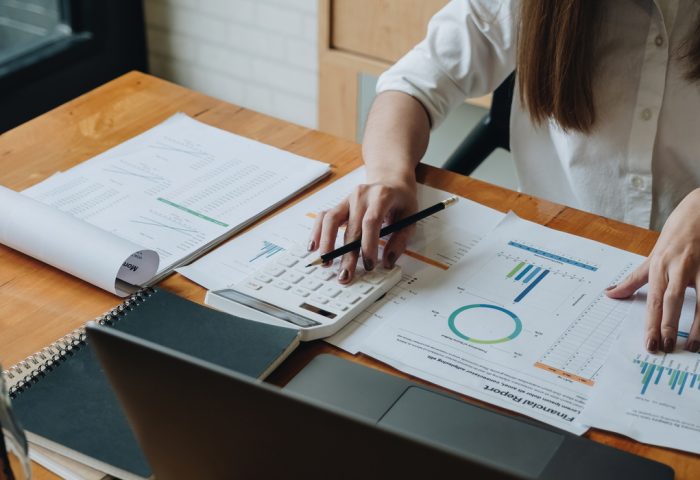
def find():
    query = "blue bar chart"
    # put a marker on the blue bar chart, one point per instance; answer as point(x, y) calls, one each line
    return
point(267, 250)
point(677, 379)
point(529, 275)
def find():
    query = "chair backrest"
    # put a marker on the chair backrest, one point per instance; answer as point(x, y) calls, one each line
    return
point(499, 114)
point(492, 131)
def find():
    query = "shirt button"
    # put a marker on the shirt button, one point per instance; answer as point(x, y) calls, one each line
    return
point(646, 114)
point(637, 182)
point(659, 40)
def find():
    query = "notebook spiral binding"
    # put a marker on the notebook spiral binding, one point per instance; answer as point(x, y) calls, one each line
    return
point(24, 374)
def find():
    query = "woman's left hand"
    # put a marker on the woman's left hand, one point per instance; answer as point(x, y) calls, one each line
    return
point(672, 266)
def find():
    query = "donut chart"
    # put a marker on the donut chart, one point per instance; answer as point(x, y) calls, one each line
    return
point(466, 319)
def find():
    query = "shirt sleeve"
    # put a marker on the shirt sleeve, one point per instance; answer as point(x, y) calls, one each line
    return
point(468, 51)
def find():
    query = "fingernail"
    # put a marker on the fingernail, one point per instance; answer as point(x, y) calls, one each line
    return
point(344, 276)
point(392, 259)
point(669, 344)
point(327, 263)
point(312, 246)
point(369, 264)
point(693, 346)
point(610, 288)
point(652, 345)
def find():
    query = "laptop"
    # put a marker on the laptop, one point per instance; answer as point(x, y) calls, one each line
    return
point(335, 419)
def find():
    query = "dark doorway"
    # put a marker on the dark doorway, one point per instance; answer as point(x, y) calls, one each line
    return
point(54, 50)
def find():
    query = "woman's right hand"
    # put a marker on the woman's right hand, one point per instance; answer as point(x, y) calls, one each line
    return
point(363, 213)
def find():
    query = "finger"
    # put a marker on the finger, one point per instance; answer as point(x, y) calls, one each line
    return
point(315, 237)
point(348, 262)
point(655, 303)
point(371, 225)
point(396, 246)
point(332, 220)
point(353, 231)
point(673, 304)
point(693, 344)
point(632, 283)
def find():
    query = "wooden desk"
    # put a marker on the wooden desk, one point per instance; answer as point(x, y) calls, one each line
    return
point(38, 303)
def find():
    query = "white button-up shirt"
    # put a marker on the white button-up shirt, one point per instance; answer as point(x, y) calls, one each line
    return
point(643, 156)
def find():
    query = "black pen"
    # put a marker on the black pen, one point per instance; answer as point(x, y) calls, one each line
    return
point(394, 227)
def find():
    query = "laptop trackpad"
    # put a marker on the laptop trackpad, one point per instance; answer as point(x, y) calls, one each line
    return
point(514, 445)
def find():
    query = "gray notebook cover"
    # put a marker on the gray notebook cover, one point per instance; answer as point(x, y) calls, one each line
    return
point(72, 403)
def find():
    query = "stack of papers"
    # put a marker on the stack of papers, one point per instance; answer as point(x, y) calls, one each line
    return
point(157, 201)
point(506, 311)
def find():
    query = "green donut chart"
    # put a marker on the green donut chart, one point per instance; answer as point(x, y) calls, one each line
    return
point(451, 322)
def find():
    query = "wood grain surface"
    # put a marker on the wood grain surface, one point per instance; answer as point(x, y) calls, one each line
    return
point(39, 304)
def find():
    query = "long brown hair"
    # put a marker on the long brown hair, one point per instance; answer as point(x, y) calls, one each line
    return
point(556, 65)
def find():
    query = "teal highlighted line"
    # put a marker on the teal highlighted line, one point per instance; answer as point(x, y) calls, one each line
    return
point(453, 316)
point(192, 212)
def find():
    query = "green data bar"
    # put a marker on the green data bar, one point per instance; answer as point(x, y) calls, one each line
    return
point(515, 270)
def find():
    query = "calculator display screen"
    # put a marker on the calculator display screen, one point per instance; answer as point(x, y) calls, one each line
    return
point(320, 311)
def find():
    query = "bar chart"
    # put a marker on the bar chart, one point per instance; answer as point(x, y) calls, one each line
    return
point(527, 278)
point(674, 376)
point(530, 275)
point(267, 250)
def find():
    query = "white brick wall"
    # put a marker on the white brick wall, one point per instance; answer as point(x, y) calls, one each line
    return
point(260, 54)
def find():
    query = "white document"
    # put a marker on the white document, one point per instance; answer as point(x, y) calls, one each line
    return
point(522, 322)
point(72, 245)
point(440, 242)
point(177, 189)
point(64, 467)
point(652, 398)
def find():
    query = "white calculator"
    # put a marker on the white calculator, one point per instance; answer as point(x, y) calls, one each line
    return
point(285, 292)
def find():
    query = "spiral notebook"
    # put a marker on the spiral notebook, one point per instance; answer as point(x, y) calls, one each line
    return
point(64, 401)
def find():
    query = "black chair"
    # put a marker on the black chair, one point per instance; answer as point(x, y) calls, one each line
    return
point(492, 131)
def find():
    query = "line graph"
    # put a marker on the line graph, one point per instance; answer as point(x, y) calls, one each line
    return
point(119, 170)
point(155, 223)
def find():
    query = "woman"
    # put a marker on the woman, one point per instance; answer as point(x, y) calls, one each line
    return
point(603, 119)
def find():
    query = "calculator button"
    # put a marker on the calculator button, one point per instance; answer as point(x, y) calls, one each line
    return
point(288, 261)
point(299, 252)
point(300, 267)
point(282, 285)
point(253, 285)
point(320, 299)
point(324, 274)
point(349, 297)
point(263, 278)
point(302, 292)
point(330, 291)
point(274, 270)
point(339, 306)
point(311, 284)
point(373, 277)
point(292, 277)
point(362, 288)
